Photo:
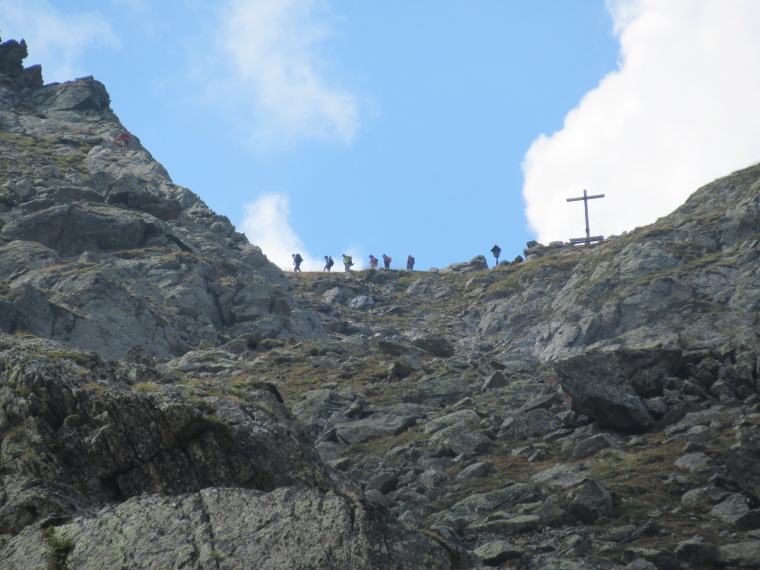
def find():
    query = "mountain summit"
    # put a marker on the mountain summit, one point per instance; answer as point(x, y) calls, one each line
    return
point(171, 399)
point(102, 251)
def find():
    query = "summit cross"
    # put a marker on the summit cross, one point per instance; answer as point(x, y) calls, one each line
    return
point(588, 239)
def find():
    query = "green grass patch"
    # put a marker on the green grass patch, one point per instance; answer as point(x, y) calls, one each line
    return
point(73, 421)
point(59, 550)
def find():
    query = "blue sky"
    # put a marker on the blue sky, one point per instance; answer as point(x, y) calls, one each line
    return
point(434, 127)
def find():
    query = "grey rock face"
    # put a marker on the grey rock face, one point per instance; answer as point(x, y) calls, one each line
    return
point(740, 555)
point(99, 436)
point(373, 427)
point(477, 263)
point(611, 294)
point(159, 476)
point(535, 423)
point(240, 528)
point(162, 271)
point(436, 390)
point(744, 461)
point(435, 345)
point(598, 389)
point(590, 502)
point(72, 229)
point(497, 551)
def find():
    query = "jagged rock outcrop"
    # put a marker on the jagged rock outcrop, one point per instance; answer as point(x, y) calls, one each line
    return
point(680, 282)
point(117, 463)
point(114, 254)
point(79, 433)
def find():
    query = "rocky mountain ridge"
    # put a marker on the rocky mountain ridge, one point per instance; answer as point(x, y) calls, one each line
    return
point(102, 251)
point(169, 398)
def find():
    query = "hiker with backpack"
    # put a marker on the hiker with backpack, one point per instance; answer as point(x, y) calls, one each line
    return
point(386, 261)
point(124, 138)
point(372, 261)
point(347, 262)
point(328, 263)
point(410, 263)
point(297, 259)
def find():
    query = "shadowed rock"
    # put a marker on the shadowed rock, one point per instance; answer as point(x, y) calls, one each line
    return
point(597, 387)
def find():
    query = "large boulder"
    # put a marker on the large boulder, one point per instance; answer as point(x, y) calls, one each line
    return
point(219, 528)
point(84, 94)
point(743, 462)
point(477, 263)
point(597, 387)
point(435, 345)
point(376, 426)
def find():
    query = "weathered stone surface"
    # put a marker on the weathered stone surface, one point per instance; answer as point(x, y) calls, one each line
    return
point(477, 263)
point(73, 229)
point(643, 558)
point(598, 388)
point(535, 423)
point(740, 555)
point(460, 440)
point(437, 390)
point(435, 345)
point(160, 271)
point(731, 509)
point(495, 380)
point(316, 406)
point(560, 477)
point(81, 431)
point(373, 427)
point(12, 55)
point(508, 525)
point(591, 445)
point(497, 551)
point(405, 365)
point(743, 463)
point(500, 499)
point(397, 348)
point(590, 502)
point(462, 419)
point(476, 470)
point(240, 528)
point(695, 551)
point(692, 461)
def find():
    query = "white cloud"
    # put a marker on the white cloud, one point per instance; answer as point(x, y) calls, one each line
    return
point(680, 111)
point(55, 39)
point(266, 225)
point(273, 50)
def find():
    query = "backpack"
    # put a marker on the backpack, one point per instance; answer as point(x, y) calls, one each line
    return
point(330, 262)
point(299, 259)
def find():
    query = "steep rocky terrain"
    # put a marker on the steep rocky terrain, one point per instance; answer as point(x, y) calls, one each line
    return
point(102, 251)
point(169, 398)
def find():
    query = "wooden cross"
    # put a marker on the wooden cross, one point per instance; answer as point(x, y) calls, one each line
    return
point(588, 239)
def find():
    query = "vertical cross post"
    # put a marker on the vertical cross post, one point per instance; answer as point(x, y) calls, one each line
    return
point(585, 199)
